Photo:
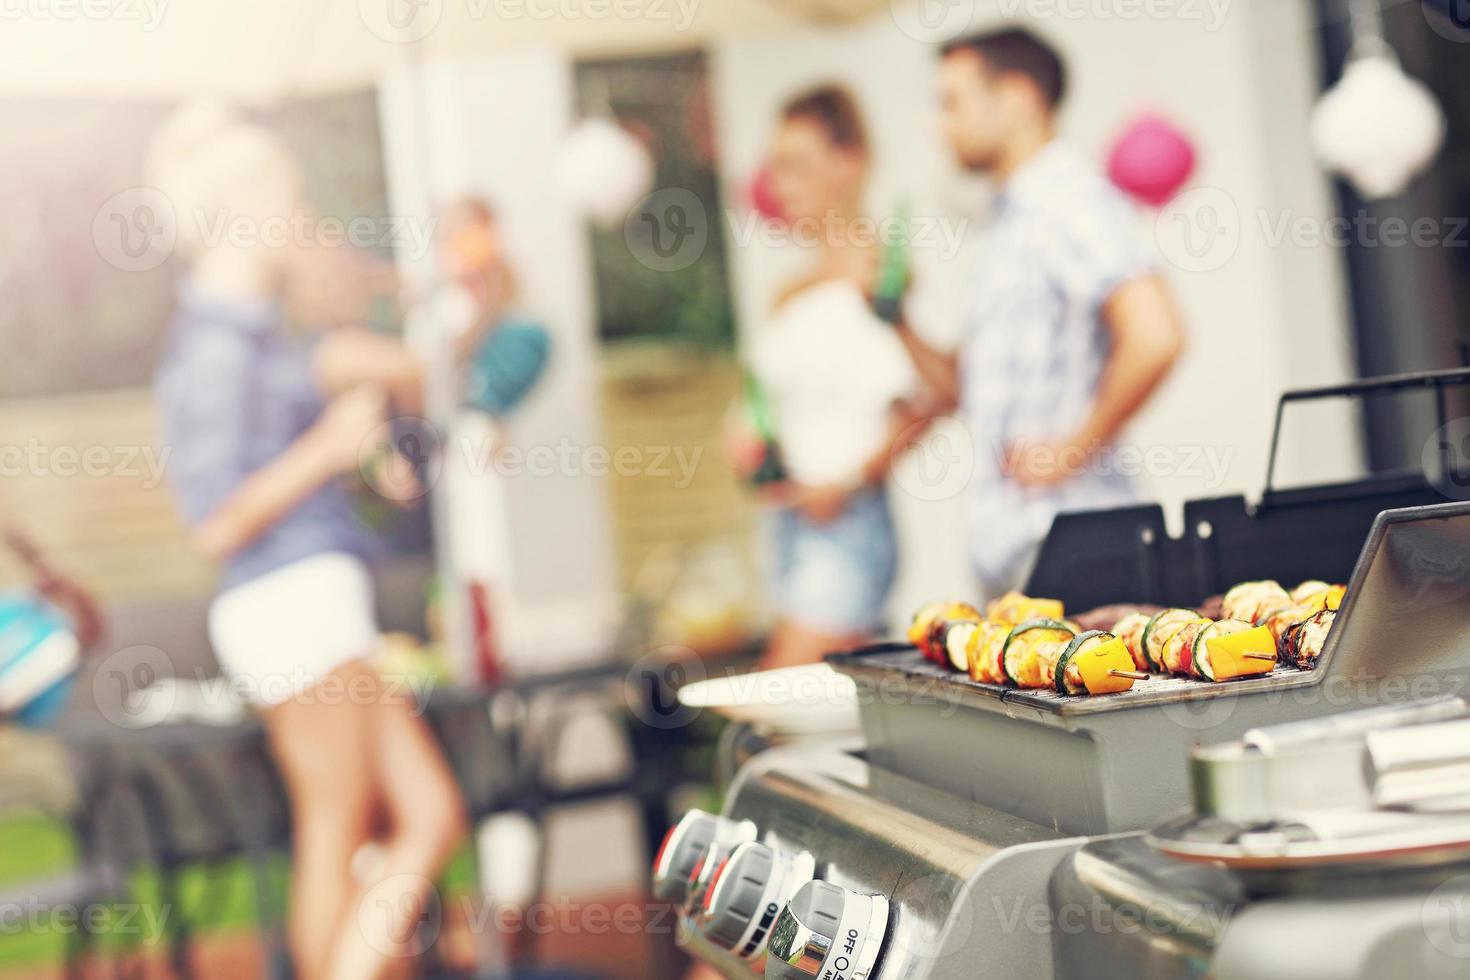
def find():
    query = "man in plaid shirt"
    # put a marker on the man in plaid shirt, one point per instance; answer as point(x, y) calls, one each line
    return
point(1068, 328)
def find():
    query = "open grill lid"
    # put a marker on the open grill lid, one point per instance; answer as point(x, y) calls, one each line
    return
point(1099, 558)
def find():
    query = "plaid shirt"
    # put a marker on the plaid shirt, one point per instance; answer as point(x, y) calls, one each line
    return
point(1062, 240)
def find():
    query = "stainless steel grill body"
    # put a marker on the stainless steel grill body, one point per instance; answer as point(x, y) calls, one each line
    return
point(1003, 825)
point(967, 882)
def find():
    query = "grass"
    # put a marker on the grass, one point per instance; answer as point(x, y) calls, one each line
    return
point(217, 898)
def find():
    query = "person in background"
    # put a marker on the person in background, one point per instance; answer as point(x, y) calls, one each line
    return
point(1069, 328)
point(477, 269)
point(843, 393)
point(264, 429)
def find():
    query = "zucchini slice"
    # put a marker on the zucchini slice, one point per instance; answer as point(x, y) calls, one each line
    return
point(957, 640)
point(1164, 624)
point(1015, 659)
point(1070, 683)
point(1204, 668)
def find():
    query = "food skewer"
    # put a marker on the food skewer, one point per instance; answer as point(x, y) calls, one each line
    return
point(1261, 625)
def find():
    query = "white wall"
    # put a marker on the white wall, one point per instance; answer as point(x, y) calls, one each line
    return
point(1261, 319)
point(491, 127)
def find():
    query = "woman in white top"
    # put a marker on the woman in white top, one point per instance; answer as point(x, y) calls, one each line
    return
point(841, 387)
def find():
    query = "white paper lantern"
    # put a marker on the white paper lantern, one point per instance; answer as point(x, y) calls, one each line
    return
point(604, 170)
point(1377, 127)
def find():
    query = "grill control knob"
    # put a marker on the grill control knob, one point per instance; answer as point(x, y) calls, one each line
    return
point(686, 845)
point(827, 931)
point(746, 895)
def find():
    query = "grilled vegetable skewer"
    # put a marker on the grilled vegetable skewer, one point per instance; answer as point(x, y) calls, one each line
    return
point(1015, 608)
point(1030, 647)
point(1045, 651)
point(1072, 674)
point(1130, 630)
point(1302, 644)
point(927, 631)
point(1160, 629)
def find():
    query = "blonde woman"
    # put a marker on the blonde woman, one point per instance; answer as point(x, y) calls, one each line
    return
point(264, 427)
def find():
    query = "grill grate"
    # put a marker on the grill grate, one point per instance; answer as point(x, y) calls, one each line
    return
point(887, 660)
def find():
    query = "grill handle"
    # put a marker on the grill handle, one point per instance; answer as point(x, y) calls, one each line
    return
point(1386, 384)
point(1420, 764)
point(1288, 736)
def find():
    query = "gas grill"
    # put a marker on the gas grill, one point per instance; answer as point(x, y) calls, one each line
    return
point(977, 831)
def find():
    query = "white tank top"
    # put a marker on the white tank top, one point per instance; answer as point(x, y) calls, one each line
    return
point(832, 371)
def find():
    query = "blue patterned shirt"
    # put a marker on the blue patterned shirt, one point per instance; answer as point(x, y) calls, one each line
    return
point(1062, 240)
point(233, 391)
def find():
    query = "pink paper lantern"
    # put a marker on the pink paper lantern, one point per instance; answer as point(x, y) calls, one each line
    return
point(1151, 160)
point(763, 198)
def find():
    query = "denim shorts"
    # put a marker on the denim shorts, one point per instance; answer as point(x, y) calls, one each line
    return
point(835, 577)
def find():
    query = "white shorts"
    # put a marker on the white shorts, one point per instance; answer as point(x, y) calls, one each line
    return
point(278, 635)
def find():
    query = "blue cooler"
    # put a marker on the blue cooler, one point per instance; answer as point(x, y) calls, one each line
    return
point(39, 654)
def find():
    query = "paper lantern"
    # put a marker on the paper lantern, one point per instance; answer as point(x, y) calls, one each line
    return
point(604, 170)
point(1377, 127)
point(763, 196)
point(1151, 160)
